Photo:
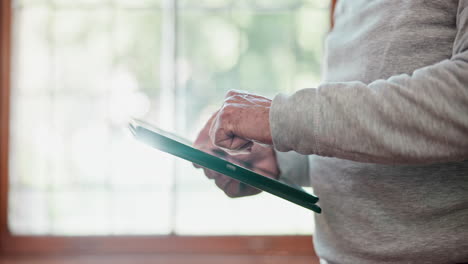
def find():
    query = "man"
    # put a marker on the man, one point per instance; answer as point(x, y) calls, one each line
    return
point(384, 138)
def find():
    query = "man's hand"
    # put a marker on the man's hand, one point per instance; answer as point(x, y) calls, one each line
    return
point(242, 121)
point(261, 159)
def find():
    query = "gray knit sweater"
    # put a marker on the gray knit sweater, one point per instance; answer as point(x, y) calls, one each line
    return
point(386, 134)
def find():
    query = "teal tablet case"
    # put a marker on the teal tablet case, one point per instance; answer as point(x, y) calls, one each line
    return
point(173, 145)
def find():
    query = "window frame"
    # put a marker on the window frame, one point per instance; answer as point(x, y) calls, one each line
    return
point(170, 246)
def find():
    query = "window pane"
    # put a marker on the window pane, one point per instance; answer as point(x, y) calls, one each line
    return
point(83, 68)
point(79, 75)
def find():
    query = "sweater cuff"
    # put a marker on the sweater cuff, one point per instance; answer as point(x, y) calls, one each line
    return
point(294, 120)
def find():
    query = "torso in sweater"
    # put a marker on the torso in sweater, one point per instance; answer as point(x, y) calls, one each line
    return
point(387, 213)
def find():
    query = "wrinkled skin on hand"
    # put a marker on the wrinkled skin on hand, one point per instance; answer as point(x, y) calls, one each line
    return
point(260, 159)
point(242, 121)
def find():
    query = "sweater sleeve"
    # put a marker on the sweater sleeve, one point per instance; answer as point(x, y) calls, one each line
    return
point(406, 119)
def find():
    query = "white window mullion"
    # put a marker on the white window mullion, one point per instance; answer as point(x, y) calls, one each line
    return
point(168, 78)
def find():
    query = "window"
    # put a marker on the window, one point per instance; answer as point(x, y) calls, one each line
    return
point(80, 69)
point(39, 242)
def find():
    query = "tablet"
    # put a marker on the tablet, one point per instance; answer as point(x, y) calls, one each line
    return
point(181, 148)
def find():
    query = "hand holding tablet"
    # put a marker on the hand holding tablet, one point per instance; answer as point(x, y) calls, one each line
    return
point(174, 145)
point(260, 159)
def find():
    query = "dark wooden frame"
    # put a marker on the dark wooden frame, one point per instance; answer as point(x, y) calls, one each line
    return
point(105, 249)
point(5, 47)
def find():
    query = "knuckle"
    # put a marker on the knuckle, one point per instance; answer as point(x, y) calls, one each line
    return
point(232, 92)
point(235, 98)
point(217, 134)
point(223, 116)
point(226, 111)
